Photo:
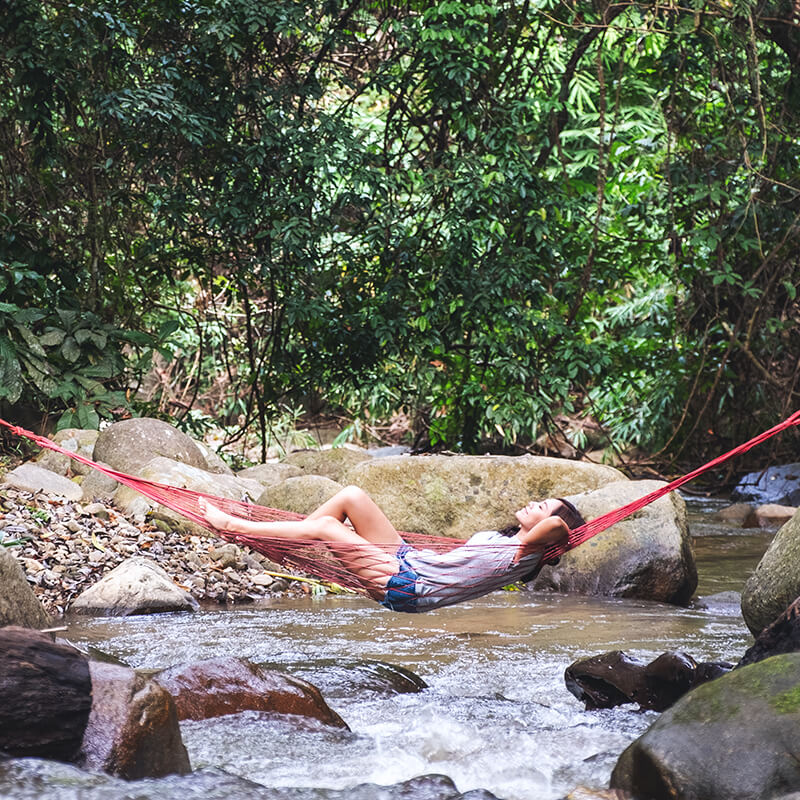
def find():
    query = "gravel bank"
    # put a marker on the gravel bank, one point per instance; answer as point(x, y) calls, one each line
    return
point(65, 547)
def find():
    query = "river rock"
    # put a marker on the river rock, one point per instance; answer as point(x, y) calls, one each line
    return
point(45, 695)
point(76, 440)
point(333, 463)
point(128, 445)
point(176, 473)
point(223, 686)
point(781, 636)
point(769, 516)
point(18, 603)
point(775, 582)
point(133, 729)
point(735, 514)
point(136, 586)
point(615, 678)
point(778, 484)
point(648, 555)
point(300, 495)
point(343, 677)
point(730, 739)
point(31, 478)
point(270, 474)
point(459, 495)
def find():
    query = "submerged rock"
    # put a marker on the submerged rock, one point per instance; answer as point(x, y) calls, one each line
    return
point(775, 582)
point(730, 739)
point(613, 679)
point(769, 516)
point(136, 586)
point(648, 555)
point(223, 686)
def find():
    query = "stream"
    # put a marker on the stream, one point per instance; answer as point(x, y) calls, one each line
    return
point(496, 714)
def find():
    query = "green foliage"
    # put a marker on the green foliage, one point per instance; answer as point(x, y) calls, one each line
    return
point(479, 214)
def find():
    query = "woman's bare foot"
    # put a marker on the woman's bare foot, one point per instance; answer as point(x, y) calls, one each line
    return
point(214, 516)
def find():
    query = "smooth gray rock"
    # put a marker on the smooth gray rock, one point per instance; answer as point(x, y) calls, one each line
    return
point(18, 604)
point(648, 555)
point(136, 586)
point(31, 478)
point(775, 582)
point(128, 445)
point(270, 474)
point(76, 440)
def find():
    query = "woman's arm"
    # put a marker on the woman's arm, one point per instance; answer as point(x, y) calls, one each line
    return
point(552, 530)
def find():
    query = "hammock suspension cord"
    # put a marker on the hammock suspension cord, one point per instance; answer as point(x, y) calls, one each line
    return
point(325, 560)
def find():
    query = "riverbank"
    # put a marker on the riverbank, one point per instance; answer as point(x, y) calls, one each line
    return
point(65, 547)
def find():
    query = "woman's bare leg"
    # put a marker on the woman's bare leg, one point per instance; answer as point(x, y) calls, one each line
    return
point(364, 514)
point(369, 562)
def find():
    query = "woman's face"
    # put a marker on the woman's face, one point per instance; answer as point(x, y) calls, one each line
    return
point(535, 512)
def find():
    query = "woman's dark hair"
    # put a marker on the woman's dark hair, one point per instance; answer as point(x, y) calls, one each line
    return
point(566, 511)
point(569, 514)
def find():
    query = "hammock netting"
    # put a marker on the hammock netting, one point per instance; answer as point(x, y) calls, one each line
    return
point(334, 563)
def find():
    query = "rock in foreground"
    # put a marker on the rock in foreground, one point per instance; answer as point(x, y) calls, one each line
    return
point(775, 582)
point(734, 738)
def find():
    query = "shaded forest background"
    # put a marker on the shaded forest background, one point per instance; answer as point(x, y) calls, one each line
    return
point(479, 219)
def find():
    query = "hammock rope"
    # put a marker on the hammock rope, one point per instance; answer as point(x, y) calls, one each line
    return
point(329, 562)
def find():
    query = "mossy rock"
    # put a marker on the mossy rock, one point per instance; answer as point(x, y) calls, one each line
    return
point(730, 739)
point(775, 582)
point(18, 604)
point(459, 495)
point(333, 463)
point(302, 495)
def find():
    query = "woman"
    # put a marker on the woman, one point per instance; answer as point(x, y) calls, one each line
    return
point(403, 578)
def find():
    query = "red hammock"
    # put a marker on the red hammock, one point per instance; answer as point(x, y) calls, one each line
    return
point(316, 558)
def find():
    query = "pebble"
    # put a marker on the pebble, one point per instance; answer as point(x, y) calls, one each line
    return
point(64, 548)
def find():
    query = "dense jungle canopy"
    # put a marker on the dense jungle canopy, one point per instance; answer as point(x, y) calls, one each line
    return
point(479, 215)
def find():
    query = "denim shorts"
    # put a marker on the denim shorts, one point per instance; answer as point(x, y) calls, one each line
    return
point(400, 594)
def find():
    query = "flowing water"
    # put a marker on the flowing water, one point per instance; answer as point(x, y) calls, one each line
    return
point(495, 715)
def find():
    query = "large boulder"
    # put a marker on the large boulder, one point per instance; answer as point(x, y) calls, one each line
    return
point(333, 463)
point(136, 586)
point(223, 686)
point(176, 473)
point(270, 474)
point(300, 495)
point(730, 739)
point(775, 582)
point(32, 478)
point(459, 495)
point(648, 555)
point(18, 603)
point(128, 445)
point(133, 729)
